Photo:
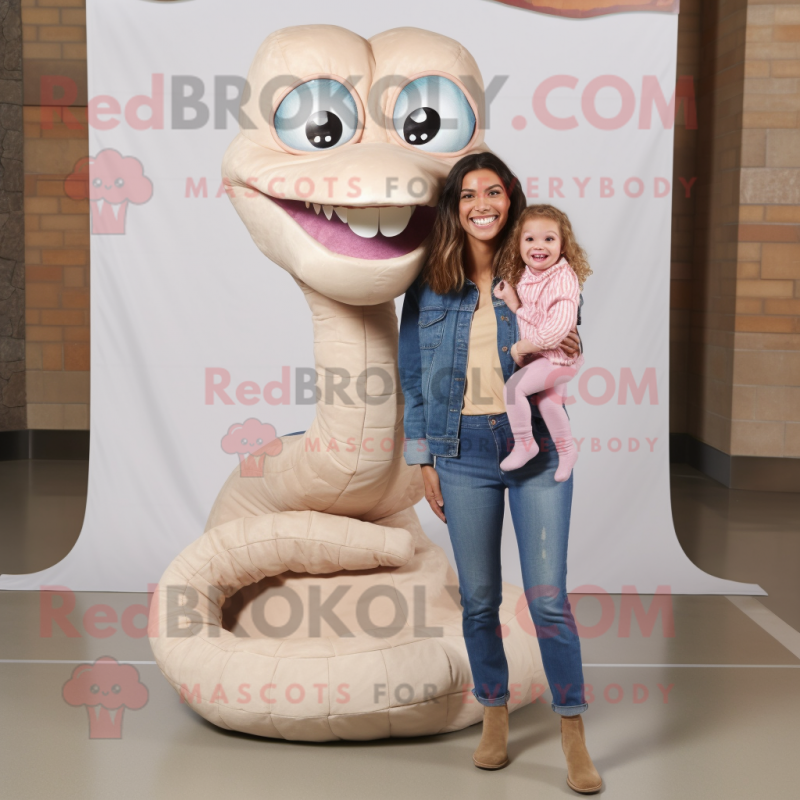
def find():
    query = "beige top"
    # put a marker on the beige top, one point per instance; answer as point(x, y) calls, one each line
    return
point(483, 389)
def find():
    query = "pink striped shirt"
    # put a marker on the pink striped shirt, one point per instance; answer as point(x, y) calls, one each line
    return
point(549, 310)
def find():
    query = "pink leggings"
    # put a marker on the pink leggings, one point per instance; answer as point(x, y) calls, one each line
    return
point(549, 381)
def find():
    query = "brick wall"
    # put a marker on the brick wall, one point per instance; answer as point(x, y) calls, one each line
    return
point(56, 227)
point(684, 194)
point(12, 267)
point(766, 339)
point(743, 394)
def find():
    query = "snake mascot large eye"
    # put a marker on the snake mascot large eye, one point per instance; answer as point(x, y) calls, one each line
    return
point(344, 145)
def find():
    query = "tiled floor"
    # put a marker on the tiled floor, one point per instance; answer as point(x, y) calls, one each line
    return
point(709, 713)
point(743, 536)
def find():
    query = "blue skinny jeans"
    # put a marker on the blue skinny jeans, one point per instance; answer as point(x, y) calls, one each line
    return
point(473, 489)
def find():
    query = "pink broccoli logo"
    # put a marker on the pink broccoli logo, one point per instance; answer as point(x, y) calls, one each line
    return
point(106, 688)
point(252, 441)
point(110, 181)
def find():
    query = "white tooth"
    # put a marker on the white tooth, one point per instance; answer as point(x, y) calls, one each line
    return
point(328, 211)
point(341, 212)
point(394, 219)
point(364, 221)
point(316, 207)
point(100, 202)
point(307, 203)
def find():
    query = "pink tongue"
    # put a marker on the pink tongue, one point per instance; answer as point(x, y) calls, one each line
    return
point(338, 238)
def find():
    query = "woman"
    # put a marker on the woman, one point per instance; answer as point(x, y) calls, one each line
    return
point(457, 349)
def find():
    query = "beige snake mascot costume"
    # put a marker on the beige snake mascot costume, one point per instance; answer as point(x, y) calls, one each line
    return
point(335, 172)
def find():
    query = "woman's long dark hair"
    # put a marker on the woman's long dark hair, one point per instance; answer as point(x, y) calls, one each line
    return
point(444, 267)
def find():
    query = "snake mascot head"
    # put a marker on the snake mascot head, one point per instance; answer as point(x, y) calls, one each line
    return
point(314, 607)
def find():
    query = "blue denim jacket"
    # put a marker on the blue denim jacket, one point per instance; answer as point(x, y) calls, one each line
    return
point(434, 344)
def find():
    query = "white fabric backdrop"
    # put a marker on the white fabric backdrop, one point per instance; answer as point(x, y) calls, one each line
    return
point(185, 289)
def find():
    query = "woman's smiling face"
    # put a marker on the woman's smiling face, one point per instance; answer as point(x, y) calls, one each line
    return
point(483, 205)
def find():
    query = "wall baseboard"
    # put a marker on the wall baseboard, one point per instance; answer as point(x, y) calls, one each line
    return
point(44, 444)
point(755, 473)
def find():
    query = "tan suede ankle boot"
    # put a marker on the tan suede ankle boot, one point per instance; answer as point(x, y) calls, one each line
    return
point(581, 774)
point(492, 752)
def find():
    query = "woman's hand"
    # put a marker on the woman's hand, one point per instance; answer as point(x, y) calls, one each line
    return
point(504, 291)
point(433, 493)
point(572, 343)
point(523, 351)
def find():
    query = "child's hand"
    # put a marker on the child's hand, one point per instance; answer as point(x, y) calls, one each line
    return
point(506, 292)
point(501, 291)
point(571, 345)
point(523, 351)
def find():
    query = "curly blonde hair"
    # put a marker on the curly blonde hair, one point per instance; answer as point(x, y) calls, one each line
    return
point(511, 266)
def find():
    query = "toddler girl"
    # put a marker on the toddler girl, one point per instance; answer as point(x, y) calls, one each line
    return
point(543, 270)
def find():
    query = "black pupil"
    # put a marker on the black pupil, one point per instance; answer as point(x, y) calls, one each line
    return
point(421, 125)
point(324, 129)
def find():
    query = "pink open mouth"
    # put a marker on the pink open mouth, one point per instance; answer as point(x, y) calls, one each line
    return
point(373, 233)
